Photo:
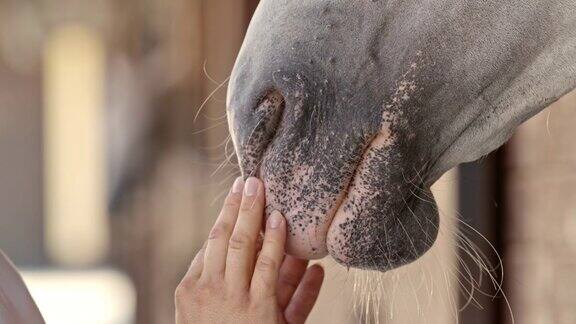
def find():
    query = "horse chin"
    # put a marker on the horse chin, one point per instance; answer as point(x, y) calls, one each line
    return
point(383, 240)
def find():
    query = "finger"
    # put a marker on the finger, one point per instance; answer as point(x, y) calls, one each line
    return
point(197, 264)
point(242, 244)
point(305, 296)
point(291, 273)
point(217, 247)
point(265, 278)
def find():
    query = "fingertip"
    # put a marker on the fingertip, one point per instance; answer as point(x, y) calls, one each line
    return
point(315, 275)
point(275, 233)
point(317, 268)
point(276, 221)
point(253, 195)
point(238, 186)
point(252, 187)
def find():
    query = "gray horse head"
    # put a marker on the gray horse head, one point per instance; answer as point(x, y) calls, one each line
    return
point(350, 110)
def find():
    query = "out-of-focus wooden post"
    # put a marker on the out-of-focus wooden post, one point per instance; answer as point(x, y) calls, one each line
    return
point(482, 211)
point(185, 51)
point(541, 235)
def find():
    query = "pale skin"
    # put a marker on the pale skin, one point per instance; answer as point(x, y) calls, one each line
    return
point(238, 277)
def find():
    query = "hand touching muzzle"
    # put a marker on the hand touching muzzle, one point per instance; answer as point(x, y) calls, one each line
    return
point(237, 279)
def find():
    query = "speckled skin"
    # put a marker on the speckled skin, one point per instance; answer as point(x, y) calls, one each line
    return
point(350, 110)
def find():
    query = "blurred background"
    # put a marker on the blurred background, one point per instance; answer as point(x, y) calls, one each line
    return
point(115, 156)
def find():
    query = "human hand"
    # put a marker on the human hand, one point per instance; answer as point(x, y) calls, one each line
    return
point(232, 280)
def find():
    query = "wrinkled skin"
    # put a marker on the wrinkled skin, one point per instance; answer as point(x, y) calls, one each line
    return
point(350, 110)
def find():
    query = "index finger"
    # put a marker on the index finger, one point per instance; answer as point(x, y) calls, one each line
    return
point(242, 246)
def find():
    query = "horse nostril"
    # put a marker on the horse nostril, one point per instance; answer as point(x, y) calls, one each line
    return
point(269, 111)
point(265, 121)
point(272, 100)
point(268, 115)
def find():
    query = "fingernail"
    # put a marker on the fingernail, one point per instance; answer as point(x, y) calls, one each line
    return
point(238, 185)
point(275, 220)
point(251, 187)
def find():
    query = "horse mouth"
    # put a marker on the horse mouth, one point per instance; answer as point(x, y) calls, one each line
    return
point(314, 181)
point(339, 189)
point(361, 219)
point(318, 202)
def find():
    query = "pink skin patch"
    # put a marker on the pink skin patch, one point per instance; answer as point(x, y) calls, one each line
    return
point(308, 224)
point(359, 192)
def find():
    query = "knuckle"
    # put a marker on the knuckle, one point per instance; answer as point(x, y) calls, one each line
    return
point(180, 293)
point(232, 202)
point(205, 286)
point(238, 297)
point(239, 241)
point(198, 293)
point(208, 287)
point(290, 280)
point(184, 289)
point(266, 263)
point(248, 204)
point(246, 207)
point(256, 306)
point(271, 241)
point(266, 292)
point(219, 230)
point(198, 299)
